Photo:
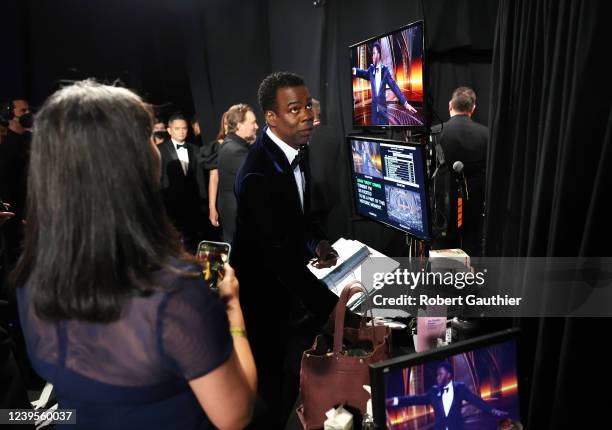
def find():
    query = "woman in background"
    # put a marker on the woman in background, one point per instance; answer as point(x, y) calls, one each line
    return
point(210, 164)
point(114, 315)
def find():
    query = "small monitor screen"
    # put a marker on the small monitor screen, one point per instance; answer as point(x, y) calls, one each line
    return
point(387, 78)
point(389, 184)
point(474, 389)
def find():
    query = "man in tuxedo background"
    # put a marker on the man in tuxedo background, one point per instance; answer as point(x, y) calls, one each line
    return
point(284, 304)
point(462, 139)
point(446, 399)
point(179, 182)
point(380, 77)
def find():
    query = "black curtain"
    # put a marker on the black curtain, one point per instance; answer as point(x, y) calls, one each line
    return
point(548, 185)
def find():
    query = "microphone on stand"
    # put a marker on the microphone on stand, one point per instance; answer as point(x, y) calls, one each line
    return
point(461, 187)
point(458, 168)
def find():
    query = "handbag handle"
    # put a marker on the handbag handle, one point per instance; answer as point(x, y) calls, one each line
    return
point(339, 312)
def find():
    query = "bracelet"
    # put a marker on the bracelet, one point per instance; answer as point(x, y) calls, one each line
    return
point(238, 331)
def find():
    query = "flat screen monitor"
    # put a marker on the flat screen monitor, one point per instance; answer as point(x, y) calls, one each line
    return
point(468, 385)
point(387, 79)
point(389, 184)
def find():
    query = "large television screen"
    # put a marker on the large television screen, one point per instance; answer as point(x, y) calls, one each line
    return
point(387, 78)
point(468, 388)
point(389, 184)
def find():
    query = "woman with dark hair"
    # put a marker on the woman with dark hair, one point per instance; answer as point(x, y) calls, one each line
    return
point(114, 315)
point(211, 164)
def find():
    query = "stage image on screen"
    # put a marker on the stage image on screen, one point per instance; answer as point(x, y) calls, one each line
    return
point(366, 158)
point(389, 184)
point(475, 390)
point(387, 78)
point(404, 207)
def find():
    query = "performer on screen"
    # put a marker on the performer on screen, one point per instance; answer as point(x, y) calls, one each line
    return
point(446, 398)
point(379, 76)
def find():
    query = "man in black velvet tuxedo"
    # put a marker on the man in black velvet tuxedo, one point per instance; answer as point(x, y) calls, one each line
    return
point(462, 139)
point(284, 304)
point(446, 399)
point(179, 183)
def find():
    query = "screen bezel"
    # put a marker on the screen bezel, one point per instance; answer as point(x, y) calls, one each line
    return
point(427, 237)
point(378, 370)
point(426, 116)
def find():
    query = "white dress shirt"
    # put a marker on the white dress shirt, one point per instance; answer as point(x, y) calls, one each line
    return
point(377, 76)
point(183, 155)
point(291, 153)
point(447, 398)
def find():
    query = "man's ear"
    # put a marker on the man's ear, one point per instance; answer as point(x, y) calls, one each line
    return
point(271, 118)
point(450, 106)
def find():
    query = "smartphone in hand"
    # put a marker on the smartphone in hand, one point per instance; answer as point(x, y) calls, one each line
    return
point(212, 256)
point(4, 207)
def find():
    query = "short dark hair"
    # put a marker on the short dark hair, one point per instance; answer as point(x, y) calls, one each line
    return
point(266, 93)
point(236, 114)
point(177, 116)
point(463, 99)
point(377, 46)
point(112, 230)
point(445, 366)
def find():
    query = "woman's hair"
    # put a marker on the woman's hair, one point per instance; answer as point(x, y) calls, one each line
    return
point(221, 134)
point(96, 226)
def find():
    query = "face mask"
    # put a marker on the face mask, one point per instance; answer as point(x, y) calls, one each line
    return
point(163, 135)
point(26, 120)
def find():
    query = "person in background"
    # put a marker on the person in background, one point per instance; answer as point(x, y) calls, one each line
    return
point(197, 132)
point(179, 183)
point(463, 139)
point(159, 132)
point(121, 322)
point(324, 149)
point(241, 134)
point(209, 163)
point(3, 132)
point(13, 170)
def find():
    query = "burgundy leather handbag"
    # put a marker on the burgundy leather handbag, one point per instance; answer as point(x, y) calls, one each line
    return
point(331, 378)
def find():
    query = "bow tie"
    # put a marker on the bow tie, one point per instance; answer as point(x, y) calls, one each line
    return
point(300, 158)
point(443, 390)
point(180, 146)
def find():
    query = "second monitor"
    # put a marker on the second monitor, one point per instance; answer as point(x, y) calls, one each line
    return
point(389, 184)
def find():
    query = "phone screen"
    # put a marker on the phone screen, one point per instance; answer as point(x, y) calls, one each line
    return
point(212, 256)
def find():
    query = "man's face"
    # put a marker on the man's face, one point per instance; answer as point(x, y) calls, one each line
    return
point(247, 129)
point(293, 121)
point(20, 107)
point(177, 130)
point(196, 128)
point(443, 377)
point(375, 55)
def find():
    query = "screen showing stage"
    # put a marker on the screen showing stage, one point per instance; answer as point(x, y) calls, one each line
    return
point(387, 78)
point(389, 184)
point(476, 389)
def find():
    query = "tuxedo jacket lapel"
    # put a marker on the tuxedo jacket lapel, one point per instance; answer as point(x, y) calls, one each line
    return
point(282, 167)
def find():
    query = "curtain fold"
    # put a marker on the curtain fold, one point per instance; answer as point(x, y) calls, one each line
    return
point(548, 184)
